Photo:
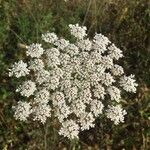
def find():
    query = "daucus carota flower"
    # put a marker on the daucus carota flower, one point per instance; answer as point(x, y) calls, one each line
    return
point(49, 37)
point(35, 50)
point(52, 57)
point(69, 129)
point(19, 69)
point(100, 43)
point(61, 43)
point(85, 45)
point(22, 110)
point(36, 64)
point(128, 83)
point(42, 96)
point(72, 50)
point(42, 76)
point(116, 113)
point(114, 52)
point(41, 112)
point(114, 93)
point(99, 91)
point(74, 82)
point(78, 31)
point(86, 120)
point(96, 107)
point(117, 70)
point(27, 88)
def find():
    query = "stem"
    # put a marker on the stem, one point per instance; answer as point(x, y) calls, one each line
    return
point(86, 12)
point(45, 136)
point(16, 35)
point(34, 18)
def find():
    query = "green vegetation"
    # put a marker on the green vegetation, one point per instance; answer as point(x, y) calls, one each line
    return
point(125, 22)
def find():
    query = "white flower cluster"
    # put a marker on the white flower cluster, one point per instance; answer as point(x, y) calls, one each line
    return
point(27, 88)
point(128, 83)
point(116, 114)
point(19, 69)
point(49, 37)
point(76, 82)
point(78, 31)
point(36, 64)
point(70, 129)
point(22, 110)
point(34, 50)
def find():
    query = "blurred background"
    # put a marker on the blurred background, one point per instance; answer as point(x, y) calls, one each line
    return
point(124, 22)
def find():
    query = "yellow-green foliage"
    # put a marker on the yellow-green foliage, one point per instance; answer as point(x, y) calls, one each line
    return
point(125, 22)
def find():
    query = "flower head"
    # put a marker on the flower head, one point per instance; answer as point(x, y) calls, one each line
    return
point(128, 83)
point(19, 69)
point(49, 37)
point(35, 50)
point(27, 88)
point(69, 129)
point(116, 113)
point(22, 110)
point(74, 82)
point(78, 31)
